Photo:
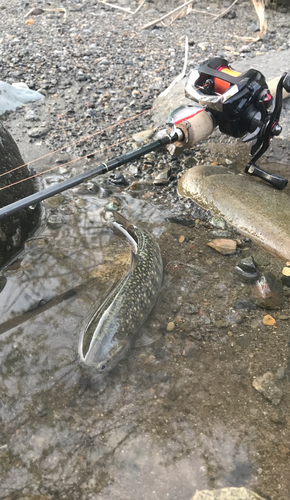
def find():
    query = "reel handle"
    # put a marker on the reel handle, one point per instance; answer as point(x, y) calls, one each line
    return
point(276, 181)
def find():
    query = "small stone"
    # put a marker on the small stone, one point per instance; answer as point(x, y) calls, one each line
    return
point(220, 233)
point(218, 222)
point(247, 270)
point(54, 221)
point(29, 22)
point(221, 323)
point(31, 116)
point(181, 239)
point(38, 131)
point(266, 386)
point(170, 326)
point(20, 85)
point(286, 271)
point(143, 136)
point(118, 179)
point(245, 304)
point(139, 186)
point(269, 320)
point(161, 178)
point(223, 246)
point(280, 373)
point(54, 201)
point(36, 11)
point(268, 291)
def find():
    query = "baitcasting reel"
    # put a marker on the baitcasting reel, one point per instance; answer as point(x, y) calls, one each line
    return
point(240, 104)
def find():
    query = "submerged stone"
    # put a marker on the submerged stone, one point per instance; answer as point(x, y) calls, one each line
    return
point(265, 384)
point(268, 291)
point(247, 270)
point(223, 246)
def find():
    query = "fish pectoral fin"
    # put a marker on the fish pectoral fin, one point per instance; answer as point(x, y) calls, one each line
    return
point(134, 261)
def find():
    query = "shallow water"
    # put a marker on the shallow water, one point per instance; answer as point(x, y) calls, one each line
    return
point(178, 414)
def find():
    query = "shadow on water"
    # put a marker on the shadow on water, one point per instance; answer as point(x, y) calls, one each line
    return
point(166, 421)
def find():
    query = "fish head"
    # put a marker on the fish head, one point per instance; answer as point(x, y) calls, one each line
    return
point(103, 353)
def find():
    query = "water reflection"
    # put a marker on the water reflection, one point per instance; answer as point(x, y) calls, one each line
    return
point(137, 431)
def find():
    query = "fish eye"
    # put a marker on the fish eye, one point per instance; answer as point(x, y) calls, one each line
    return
point(102, 366)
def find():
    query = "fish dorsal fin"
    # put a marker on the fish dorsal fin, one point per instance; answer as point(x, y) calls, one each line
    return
point(134, 261)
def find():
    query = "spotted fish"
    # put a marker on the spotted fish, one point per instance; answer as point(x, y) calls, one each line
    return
point(111, 328)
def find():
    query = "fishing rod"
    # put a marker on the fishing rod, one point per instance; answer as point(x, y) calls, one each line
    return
point(241, 105)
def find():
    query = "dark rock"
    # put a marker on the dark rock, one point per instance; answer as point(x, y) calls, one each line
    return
point(118, 179)
point(244, 304)
point(16, 228)
point(247, 270)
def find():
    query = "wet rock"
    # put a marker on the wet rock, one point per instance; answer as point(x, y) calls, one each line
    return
point(54, 221)
point(234, 196)
point(184, 221)
point(227, 494)
point(223, 246)
point(220, 233)
point(118, 179)
point(54, 201)
point(140, 186)
point(161, 178)
point(268, 291)
point(218, 222)
point(247, 270)
point(16, 228)
point(245, 304)
point(265, 384)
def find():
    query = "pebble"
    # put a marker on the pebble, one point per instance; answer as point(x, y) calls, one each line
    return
point(118, 179)
point(268, 291)
point(286, 271)
point(38, 131)
point(54, 221)
point(247, 270)
point(181, 239)
point(269, 320)
point(31, 116)
point(220, 233)
point(170, 326)
point(218, 222)
point(265, 384)
point(143, 136)
point(54, 201)
point(223, 246)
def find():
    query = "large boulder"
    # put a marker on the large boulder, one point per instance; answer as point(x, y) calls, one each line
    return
point(16, 228)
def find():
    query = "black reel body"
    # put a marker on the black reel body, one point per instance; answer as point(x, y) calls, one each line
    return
point(241, 105)
point(237, 100)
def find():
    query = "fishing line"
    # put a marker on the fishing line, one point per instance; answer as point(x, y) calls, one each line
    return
point(83, 139)
point(57, 166)
point(76, 142)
